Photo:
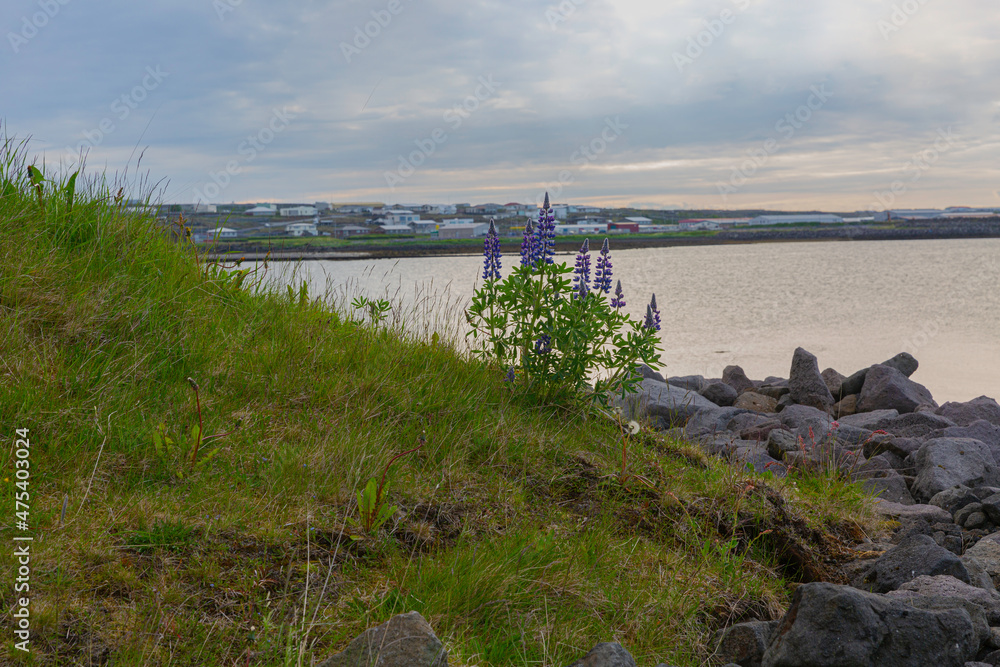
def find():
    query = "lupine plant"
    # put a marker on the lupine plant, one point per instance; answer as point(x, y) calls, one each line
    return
point(552, 328)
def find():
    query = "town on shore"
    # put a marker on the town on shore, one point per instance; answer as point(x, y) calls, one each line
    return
point(315, 227)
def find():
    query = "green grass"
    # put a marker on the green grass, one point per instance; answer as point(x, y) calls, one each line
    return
point(513, 537)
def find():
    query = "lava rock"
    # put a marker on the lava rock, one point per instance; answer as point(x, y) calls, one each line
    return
point(947, 586)
point(953, 499)
point(833, 381)
point(887, 388)
point(837, 626)
point(751, 400)
point(657, 399)
point(805, 383)
point(846, 406)
point(405, 640)
point(606, 654)
point(918, 512)
point(737, 379)
point(912, 557)
point(645, 371)
point(720, 393)
point(964, 414)
point(946, 462)
point(692, 382)
point(710, 421)
point(744, 643)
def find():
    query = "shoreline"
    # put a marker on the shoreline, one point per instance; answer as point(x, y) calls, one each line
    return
point(910, 231)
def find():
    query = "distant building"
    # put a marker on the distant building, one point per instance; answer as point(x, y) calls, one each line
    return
point(582, 228)
point(909, 214)
point(424, 226)
point(199, 208)
point(349, 230)
point(463, 231)
point(624, 227)
point(322, 206)
point(297, 211)
point(639, 220)
point(354, 209)
point(824, 218)
point(400, 217)
point(658, 229)
point(302, 229)
point(459, 221)
point(262, 210)
point(396, 229)
point(217, 234)
point(697, 224)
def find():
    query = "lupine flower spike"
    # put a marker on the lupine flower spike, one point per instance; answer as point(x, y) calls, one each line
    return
point(491, 254)
point(546, 234)
point(543, 345)
point(528, 245)
point(649, 323)
point(656, 312)
point(602, 277)
point(581, 274)
point(618, 300)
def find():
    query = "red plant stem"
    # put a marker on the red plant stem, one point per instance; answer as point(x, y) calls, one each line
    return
point(385, 471)
point(197, 443)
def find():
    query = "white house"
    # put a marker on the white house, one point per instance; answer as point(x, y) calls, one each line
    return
point(396, 229)
point(424, 226)
point(583, 228)
point(302, 229)
point(221, 233)
point(459, 221)
point(297, 211)
point(400, 217)
point(463, 231)
point(262, 210)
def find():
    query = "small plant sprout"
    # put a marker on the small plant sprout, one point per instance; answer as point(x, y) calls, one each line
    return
point(373, 511)
point(167, 449)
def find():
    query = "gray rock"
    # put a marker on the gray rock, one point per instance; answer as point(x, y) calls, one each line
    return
point(962, 515)
point(744, 643)
point(868, 420)
point(837, 626)
point(719, 393)
point(942, 602)
point(751, 400)
point(986, 552)
point(964, 414)
point(846, 406)
point(833, 381)
point(912, 425)
point(902, 362)
point(606, 654)
point(692, 382)
point(756, 458)
point(710, 421)
point(946, 462)
point(656, 399)
point(781, 442)
point(737, 379)
point(775, 392)
point(991, 507)
point(760, 431)
point(890, 486)
point(646, 372)
point(947, 586)
point(981, 430)
point(978, 574)
point(804, 417)
point(887, 388)
point(805, 383)
point(914, 556)
point(918, 512)
point(406, 640)
point(953, 499)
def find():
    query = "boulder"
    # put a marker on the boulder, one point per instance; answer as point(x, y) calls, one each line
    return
point(991, 507)
point(645, 371)
point(913, 425)
point(913, 556)
point(837, 626)
point(981, 430)
point(887, 388)
point(868, 420)
point(918, 512)
point(802, 418)
point(964, 414)
point(760, 431)
point(890, 486)
point(405, 640)
point(946, 462)
point(709, 421)
point(774, 391)
point(833, 381)
point(781, 442)
point(606, 654)
point(806, 385)
point(743, 643)
point(846, 406)
point(673, 406)
point(953, 499)
point(719, 393)
point(947, 586)
point(902, 362)
point(737, 379)
point(987, 554)
point(692, 382)
point(751, 400)
point(755, 457)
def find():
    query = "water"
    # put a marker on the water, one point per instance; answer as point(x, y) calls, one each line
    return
point(851, 303)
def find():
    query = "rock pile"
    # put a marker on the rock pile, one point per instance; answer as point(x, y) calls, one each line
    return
point(927, 598)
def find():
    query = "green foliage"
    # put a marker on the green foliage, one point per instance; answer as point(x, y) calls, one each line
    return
point(535, 322)
point(167, 535)
point(180, 457)
point(377, 310)
point(373, 511)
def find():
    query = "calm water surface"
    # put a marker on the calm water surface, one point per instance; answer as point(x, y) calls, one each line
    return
point(851, 304)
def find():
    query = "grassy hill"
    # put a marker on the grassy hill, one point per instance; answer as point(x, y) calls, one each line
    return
point(513, 534)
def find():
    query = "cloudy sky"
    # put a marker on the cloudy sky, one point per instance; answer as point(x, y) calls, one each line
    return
point(780, 104)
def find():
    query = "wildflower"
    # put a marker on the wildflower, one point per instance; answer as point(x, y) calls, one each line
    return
point(618, 300)
point(509, 377)
point(528, 246)
point(656, 312)
point(602, 277)
point(649, 322)
point(491, 253)
point(543, 345)
point(545, 232)
point(581, 274)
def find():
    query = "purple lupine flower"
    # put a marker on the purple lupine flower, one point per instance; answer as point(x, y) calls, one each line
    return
point(649, 322)
point(656, 312)
point(491, 253)
point(509, 377)
point(545, 231)
point(618, 300)
point(543, 345)
point(581, 274)
point(529, 244)
point(602, 276)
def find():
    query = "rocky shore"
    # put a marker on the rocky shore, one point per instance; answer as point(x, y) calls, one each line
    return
point(925, 596)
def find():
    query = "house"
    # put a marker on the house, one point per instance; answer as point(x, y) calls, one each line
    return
point(463, 231)
point(584, 209)
point(624, 227)
point(697, 224)
point(658, 229)
point(349, 230)
point(322, 206)
point(352, 209)
point(459, 221)
point(582, 228)
point(400, 217)
point(396, 229)
point(262, 210)
point(199, 208)
point(424, 226)
point(824, 218)
point(302, 229)
point(217, 234)
point(638, 219)
point(297, 211)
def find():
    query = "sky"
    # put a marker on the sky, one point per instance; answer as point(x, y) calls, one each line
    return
point(729, 104)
